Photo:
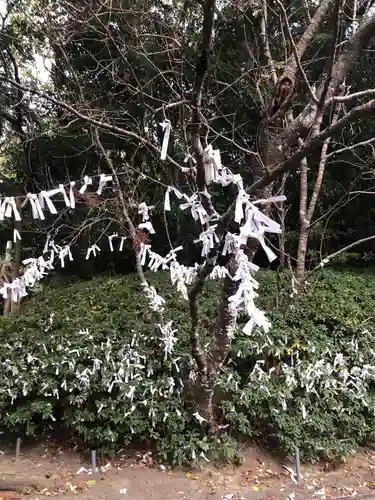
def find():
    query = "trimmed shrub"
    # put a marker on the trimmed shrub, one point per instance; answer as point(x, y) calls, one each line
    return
point(88, 358)
point(310, 381)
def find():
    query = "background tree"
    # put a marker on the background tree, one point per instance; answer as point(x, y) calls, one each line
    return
point(274, 100)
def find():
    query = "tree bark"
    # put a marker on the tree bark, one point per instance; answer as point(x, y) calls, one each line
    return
point(197, 148)
point(302, 251)
point(306, 210)
point(7, 275)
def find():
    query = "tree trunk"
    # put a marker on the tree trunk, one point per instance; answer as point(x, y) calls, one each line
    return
point(302, 251)
point(16, 264)
point(219, 350)
point(7, 275)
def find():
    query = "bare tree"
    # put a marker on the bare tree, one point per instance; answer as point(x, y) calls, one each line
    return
point(288, 134)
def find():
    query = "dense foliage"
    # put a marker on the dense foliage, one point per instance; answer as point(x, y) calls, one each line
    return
point(104, 63)
point(218, 104)
point(66, 366)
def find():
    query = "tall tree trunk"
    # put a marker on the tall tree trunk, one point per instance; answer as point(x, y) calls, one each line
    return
point(282, 217)
point(7, 275)
point(16, 264)
point(302, 251)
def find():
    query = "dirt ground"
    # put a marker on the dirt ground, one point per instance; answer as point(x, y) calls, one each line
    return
point(42, 472)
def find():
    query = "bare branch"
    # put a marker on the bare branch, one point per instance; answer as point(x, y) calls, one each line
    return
point(96, 123)
point(266, 46)
point(342, 250)
point(120, 196)
point(196, 102)
point(305, 40)
point(292, 163)
point(172, 105)
point(350, 148)
point(353, 50)
point(322, 165)
point(196, 120)
point(351, 97)
point(331, 86)
point(296, 54)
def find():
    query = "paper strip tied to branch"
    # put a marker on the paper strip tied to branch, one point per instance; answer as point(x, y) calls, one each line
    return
point(144, 210)
point(242, 198)
point(256, 225)
point(65, 252)
point(178, 194)
point(168, 338)
point(148, 226)
point(231, 243)
point(72, 200)
point(36, 208)
point(157, 261)
point(121, 247)
point(166, 127)
point(103, 181)
point(8, 208)
point(87, 181)
point(45, 198)
point(36, 269)
point(212, 164)
point(208, 238)
point(65, 196)
point(15, 290)
point(245, 295)
point(155, 300)
point(94, 250)
point(197, 210)
point(110, 240)
point(16, 236)
point(178, 278)
point(142, 253)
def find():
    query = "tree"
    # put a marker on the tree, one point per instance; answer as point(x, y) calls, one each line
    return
point(107, 58)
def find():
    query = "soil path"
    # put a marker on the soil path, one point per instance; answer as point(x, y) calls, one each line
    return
point(42, 472)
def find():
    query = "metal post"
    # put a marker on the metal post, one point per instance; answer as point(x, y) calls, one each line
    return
point(298, 466)
point(93, 461)
point(18, 447)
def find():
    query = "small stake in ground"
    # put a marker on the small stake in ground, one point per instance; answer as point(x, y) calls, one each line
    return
point(298, 466)
point(18, 447)
point(93, 461)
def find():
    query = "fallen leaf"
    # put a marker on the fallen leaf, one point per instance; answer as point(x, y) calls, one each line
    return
point(91, 482)
point(188, 475)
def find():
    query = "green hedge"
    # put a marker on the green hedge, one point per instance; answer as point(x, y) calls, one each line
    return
point(63, 362)
point(66, 332)
point(331, 325)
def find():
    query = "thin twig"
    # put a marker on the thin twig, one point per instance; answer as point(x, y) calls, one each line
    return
point(342, 250)
point(350, 148)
